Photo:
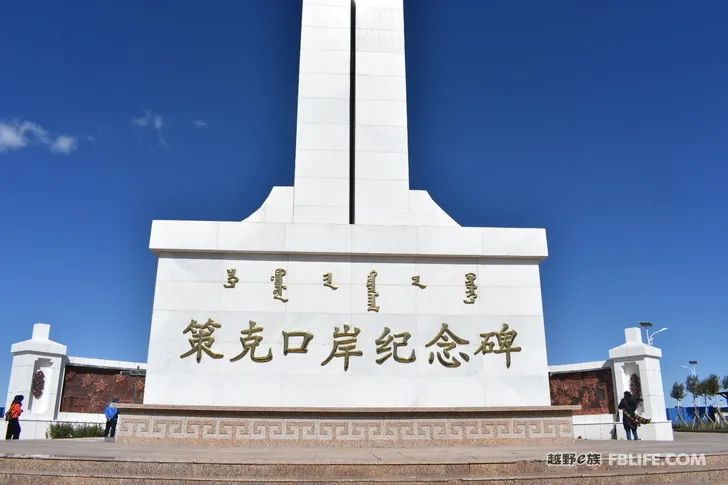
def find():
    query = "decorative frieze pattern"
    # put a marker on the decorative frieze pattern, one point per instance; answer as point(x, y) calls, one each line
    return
point(346, 431)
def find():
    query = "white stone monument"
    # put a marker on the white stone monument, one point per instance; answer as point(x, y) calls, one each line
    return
point(350, 289)
point(38, 354)
point(636, 364)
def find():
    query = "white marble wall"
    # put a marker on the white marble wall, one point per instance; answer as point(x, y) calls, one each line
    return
point(191, 287)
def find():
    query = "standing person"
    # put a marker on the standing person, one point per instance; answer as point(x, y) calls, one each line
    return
point(630, 418)
point(13, 418)
point(112, 416)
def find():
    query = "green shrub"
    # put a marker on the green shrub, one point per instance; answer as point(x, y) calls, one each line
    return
point(701, 428)
point(68, 430)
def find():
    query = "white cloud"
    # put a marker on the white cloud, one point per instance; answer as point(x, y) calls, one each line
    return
point(200, 123)
point(154, 122)
point(11, 138)
point(18, 134)
point(64, 144)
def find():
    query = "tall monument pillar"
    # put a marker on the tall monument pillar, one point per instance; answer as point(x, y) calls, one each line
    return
point(351, 137)
point(381, 166)
point(322, 175)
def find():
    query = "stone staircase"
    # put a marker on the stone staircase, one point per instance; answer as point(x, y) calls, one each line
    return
point(36, 470)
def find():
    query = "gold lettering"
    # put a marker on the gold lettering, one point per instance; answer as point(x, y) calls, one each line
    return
point(201, 339)
point(471, 289)
point(250, 342)
point(387, 345)
point(447, 341)
point(505, 340)
point(372, 292)
point(329, 281)
point(232, 280)
point(416, 282)
point(302, 348)
point(279, 288)
point(344, 345)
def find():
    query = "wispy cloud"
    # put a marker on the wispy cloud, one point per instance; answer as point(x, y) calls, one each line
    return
point(64, 144)
point(153, 122)
point(18, 134)
point(200, 123)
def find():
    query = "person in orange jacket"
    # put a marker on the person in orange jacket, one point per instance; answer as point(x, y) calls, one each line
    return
point(12, 417)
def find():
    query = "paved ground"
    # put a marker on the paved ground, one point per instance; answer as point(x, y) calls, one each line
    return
point(708, 443)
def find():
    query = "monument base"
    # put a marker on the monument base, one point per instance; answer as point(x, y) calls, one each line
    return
point(344, 427)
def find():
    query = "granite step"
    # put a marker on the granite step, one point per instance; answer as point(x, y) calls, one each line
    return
point(336, 469)
point(50, 471)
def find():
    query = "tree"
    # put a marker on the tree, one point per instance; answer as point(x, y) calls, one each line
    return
point(724, 383)
point(678, 392)
point(700, 391)
point(711, 387)
point(691, 384)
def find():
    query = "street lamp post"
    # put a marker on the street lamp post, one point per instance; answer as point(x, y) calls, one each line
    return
point(692, 363)
point(650, 336)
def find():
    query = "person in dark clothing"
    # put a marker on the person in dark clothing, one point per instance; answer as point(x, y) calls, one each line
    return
point(112, 416)
point(13, 418)
point(630, 419)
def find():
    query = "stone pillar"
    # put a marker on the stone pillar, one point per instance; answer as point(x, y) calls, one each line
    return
point(635, 358)
point(30, 356)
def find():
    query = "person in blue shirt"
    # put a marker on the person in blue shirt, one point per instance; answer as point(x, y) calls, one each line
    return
point(112, 416)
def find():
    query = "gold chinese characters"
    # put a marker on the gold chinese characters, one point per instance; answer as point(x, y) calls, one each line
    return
point(504, 339)
point(250, 342)
point(201, 339)
point(446, 347)
point(344, 345)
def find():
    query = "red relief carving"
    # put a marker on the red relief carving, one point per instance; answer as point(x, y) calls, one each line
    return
point(89, 389)
point(87, 380)
point(593, 390)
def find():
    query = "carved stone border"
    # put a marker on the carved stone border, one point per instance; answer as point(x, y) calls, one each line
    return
point(353, 427)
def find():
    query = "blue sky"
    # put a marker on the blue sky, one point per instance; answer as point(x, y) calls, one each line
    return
point(606, 123)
